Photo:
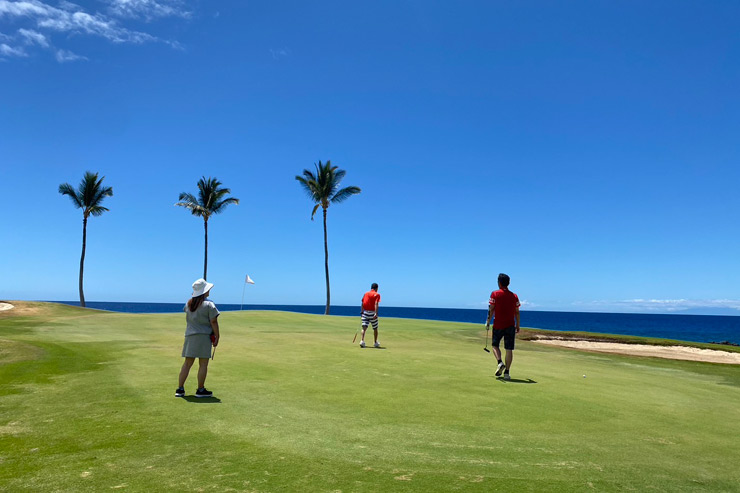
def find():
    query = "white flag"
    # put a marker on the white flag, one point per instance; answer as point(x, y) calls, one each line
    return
point(249, 280)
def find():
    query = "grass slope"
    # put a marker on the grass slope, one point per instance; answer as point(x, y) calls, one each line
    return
point(86, 403)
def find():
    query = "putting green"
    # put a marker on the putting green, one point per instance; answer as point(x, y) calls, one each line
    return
point(87, 403)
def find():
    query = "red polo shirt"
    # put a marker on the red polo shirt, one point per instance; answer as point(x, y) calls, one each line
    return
point(370, 300)
point(505, 304)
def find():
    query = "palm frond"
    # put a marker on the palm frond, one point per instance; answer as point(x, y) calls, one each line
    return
point(309, 186)
point(210, 199)
point(313, 213)
point(194, 208)
point(322, 182)
point(220, 206)
point(188, 201)
point(187, 197)
point(67, 189)
point(205, 191)
point(344, 194)
point(97, 210)
point(323, 187)
point(338, 174)
point(89, 194)
point(101, 193)
point(89, 187)
point(309, 175)
point(217, 195)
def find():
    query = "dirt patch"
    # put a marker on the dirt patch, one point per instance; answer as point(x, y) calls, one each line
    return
point(14, 351)
point(22, 308)
point(668, 352)
point(13, 428)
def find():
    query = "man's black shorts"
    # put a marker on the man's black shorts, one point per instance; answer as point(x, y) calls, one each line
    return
point(508, 334)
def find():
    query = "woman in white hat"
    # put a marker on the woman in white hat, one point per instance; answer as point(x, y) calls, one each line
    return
point(201, 333)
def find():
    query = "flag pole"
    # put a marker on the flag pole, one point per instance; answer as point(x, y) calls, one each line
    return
point(243, 289)
point(247, 280)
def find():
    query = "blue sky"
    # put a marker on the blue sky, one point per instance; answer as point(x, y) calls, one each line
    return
point(588, 149)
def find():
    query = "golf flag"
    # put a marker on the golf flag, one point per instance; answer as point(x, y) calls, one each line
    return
point(247, 280)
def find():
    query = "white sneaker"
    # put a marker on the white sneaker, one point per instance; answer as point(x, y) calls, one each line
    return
point(362, 343)
point(377, 344)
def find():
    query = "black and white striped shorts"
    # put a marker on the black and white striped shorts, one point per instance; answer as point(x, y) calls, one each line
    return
point(369, 316)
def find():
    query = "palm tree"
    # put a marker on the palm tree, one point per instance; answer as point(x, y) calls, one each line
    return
point(211, 200)
point(88, 197)
point(323, 189)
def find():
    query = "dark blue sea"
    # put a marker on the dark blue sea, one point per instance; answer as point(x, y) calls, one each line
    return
point(695, 328)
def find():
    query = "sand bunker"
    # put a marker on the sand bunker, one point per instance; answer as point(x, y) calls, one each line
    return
point(669, 352)
point(5, 306)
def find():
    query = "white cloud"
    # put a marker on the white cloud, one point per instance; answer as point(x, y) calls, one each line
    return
point(64, 56)
point(27, 8)
point(32, 37)
point(66, 5)
point(41, 19)
point(7, 50)
point(82, 22)
point(148, 9)
point(279, 53)
point(525, 305)
point(478, 304)
point(660, 306)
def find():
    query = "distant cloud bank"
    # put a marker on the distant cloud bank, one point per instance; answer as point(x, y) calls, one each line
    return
point(697, 307)
point(148, 9)
point(27, 27)
point(279, 53)
point(662, 306)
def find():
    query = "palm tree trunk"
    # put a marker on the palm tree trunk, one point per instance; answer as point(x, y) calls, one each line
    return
point(205, 260)
point(82, 258)
point(326, 267)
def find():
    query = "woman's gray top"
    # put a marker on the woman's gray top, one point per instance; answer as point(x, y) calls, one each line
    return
point(199, 321)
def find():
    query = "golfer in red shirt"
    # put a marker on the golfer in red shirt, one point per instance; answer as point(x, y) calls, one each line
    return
point(370, 302)
point(503, 308)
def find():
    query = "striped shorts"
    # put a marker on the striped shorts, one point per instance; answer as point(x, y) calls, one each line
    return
point(369, 316)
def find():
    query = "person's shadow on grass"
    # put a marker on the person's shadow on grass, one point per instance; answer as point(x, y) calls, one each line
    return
point(515, 380)
point(202, 400)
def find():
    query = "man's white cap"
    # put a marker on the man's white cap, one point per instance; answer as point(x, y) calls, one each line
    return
point(200, 287)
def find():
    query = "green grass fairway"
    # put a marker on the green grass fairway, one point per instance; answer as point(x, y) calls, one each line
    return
point(87, 404)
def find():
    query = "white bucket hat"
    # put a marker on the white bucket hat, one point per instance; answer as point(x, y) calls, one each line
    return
point(201, 286)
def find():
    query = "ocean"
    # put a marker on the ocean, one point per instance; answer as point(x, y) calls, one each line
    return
point(694, 328)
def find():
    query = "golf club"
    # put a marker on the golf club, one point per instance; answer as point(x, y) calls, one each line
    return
point(213, 354)
point(486, 348)
point(355, 337)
